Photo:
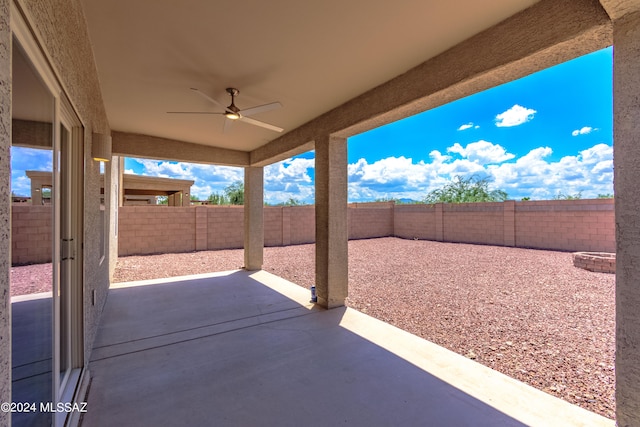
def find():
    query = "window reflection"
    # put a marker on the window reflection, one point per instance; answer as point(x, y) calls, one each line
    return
point(31, 240)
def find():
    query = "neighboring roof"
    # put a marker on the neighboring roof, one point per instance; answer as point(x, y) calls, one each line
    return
point(154, 182)
point(136, 184)
point(151, 185)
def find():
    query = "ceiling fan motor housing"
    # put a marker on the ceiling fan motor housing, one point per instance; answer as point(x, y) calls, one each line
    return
point(233, 92)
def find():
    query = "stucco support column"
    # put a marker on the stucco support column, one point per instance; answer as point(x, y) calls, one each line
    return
point(120, 180)
point(36, 193)
point(186, 197)
point(5, 210)
point(331, 221)
point(253, 217)
point(626, 146)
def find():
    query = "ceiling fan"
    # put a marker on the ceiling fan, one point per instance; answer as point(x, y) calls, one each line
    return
point(233, 113)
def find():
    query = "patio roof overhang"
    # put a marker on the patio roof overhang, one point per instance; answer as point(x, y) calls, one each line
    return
point(337, 69)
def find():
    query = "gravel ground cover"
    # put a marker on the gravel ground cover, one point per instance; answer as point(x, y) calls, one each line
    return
point(31, 279)
point(527, 313)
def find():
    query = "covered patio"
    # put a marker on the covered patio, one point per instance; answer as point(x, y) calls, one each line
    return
point(248, 348)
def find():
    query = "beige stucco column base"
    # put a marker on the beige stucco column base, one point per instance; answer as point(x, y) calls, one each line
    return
point(331, 222)
point(626, 104)
point(253, 217)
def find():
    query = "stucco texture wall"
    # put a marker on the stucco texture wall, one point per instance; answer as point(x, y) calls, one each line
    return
point(5, 204)
point(626, 96)
point(61, 29)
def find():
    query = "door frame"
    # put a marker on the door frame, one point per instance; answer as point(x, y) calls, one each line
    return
point(64, 113)
point(71, 155)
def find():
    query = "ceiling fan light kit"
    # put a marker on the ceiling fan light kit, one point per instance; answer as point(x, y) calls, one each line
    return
point(232, 111)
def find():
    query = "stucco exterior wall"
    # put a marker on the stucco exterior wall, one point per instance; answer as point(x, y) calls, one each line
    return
point(5, 205)
point(60, 28)
point(626, 98)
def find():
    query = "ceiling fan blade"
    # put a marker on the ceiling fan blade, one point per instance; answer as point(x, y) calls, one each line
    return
point(210, 99)
point(260, 109)
point(261, 124)
point(191, 112)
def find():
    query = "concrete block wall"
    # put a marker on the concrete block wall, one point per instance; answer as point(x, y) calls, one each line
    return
point(368, 220)
point(31, 234)
point(274, 226)
point(148, 230)
point(473, 223)
point(225, 227)
point(566, 225)
point(415, 222)
point(303, 224)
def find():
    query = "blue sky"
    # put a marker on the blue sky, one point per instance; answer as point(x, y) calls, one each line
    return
point(536, 137)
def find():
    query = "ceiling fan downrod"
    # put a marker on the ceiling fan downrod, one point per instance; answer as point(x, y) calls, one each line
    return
point(232, 112)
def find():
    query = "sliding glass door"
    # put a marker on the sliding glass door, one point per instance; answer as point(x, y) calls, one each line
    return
point(47, 177)
point(33, 270)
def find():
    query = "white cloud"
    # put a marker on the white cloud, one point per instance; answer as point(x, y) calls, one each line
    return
point(515, 116)
point(21, 186)
point(468, 126)
point(24, 159)
point(396, 177)
point(207, 178)
point(583, 131)
point(289, 179)
point(401, 177)
point(482, 152)
point(532, 175)
point(590, 172)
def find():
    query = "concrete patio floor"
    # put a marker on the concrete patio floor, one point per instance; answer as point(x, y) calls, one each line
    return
point(248, 349)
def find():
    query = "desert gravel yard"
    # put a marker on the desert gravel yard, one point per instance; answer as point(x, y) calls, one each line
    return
point(527, 313)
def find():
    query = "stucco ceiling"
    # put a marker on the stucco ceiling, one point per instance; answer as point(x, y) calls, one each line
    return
point(311, 55)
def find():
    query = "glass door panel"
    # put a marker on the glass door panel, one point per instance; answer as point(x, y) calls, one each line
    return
point(33, 270)
point(67, 254)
